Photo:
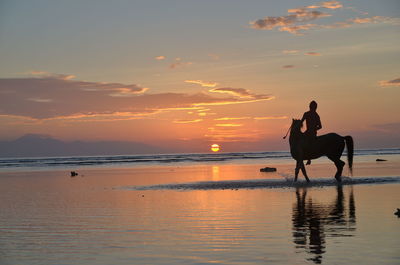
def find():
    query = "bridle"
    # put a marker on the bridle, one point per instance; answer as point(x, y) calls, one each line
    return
point(284, 137)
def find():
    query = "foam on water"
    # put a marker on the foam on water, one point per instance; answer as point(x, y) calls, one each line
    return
point(264, 183)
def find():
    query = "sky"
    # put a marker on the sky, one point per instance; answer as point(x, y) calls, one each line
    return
point(194, 73)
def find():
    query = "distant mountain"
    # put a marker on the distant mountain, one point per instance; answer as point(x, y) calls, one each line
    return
point(33, 145)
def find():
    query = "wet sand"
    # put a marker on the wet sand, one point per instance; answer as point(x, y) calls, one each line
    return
point(50, 218)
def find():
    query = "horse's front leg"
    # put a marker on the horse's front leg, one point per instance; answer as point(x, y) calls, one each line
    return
point(303, 170)
point(296, 171)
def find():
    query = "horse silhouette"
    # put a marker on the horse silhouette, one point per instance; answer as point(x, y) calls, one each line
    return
point(330, 145)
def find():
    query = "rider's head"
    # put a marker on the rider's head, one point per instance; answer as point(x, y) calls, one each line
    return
point(313, 105)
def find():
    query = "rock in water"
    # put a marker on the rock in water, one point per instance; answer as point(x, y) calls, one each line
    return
point(268, 169)
point(397, 213)
point(380, 160)
point(74, 174)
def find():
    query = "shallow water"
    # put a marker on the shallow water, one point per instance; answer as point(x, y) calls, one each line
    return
point(51, 218)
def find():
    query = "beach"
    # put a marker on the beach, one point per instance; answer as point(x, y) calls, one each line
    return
point(135, 215)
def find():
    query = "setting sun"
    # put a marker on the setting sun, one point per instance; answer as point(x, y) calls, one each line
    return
point(215, 147)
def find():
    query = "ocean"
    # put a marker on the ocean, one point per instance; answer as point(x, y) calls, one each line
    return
point(74, 162)
point(198, 209)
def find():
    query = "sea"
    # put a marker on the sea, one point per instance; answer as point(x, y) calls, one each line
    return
point(194, 209)
point(76, 162)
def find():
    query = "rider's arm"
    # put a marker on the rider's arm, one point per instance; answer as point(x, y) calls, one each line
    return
point(319, 125)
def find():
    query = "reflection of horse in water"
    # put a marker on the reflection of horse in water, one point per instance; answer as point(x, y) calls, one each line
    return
point(313, 222)
point(330, 145)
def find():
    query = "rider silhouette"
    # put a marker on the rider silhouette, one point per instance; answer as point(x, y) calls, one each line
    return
point(313, 123)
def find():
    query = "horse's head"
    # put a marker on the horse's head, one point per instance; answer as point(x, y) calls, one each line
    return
point(295, 128)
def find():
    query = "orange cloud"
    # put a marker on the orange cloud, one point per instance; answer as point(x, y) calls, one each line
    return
point(313, 53)
point(229, 125)
point(296, 22)
point(394, 82)
point(289, 22)
point(290, 51)
point(161, 57)
point(128, 91)
point(231, 118)
point(238, 92)
point(354, 21)
point(179, 63)
point(56, 98)
point(187, 121)
point(297, 28)
point(288, 66)
point(249, 118)
point(44, 74)
point(331, 4)
point(202, 83)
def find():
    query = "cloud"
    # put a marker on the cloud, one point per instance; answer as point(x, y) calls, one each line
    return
point(394, 82)
point(296, 22)
point(354, 21)
point(231, 118)
point(331, 4)
point(132, 90)
point(48, 97)
point(289, 22)
point(254, 118)
point(296, 29)
point(42, 74)
point(313, 53)
point(179, 63)
point(290, 51)
point(238, 92)
point(229, 125)
point(161, 57)
point(202, 83)
point(187, 121)
point(289, 66)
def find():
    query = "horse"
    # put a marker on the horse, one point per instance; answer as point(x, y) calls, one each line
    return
point(330, 145)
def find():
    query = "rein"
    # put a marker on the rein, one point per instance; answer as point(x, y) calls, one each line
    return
point(284, 137)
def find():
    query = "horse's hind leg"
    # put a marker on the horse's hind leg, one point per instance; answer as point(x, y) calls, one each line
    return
point(339, 166)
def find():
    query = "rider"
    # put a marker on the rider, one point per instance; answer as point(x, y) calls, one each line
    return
point(313, 123)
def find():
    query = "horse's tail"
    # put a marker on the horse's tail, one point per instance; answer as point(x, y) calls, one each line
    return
point(350, 152)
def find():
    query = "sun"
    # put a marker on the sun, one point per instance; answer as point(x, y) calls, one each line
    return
point(215, 147)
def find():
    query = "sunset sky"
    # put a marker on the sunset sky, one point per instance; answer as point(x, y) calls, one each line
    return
point(171, 73)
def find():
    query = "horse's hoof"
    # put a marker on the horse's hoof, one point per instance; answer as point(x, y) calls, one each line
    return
point(338, 179)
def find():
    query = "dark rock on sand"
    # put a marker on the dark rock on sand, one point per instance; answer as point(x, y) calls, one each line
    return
point(380, 160)
point(268, 169)
point(397, 213)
